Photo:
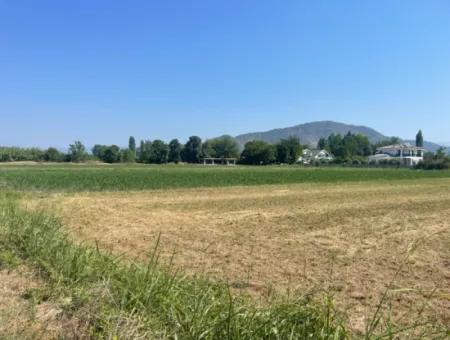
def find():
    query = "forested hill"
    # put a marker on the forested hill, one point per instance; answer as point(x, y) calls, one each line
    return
point(310, 133)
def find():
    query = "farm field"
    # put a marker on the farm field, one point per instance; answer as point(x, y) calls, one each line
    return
point(351, 240)
point(368, 238)
point(103, 177)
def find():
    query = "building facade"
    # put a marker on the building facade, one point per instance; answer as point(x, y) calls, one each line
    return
point(309, 156)
point(405, 154)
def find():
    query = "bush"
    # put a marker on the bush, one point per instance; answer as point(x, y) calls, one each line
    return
point(437, 161)
point(16, 154)
point(53, 155)
point(127, 156)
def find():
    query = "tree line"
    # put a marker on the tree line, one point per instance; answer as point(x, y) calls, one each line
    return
point(160, 152)
point(347, 149)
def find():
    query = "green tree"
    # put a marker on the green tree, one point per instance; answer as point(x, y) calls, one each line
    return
point(386, 142)
point(107, 153)
point(132, 145)
point(322, 144)
point(419, 139)
point(77, 152)
point(258, 153)
point(141, 152)
point(363, 146)
point(53, 155)
point(146, 152)
point(435, 161)
point(98, 151)
point(192, 151)
point(175, 151)
point(288, 150)
point(335, 145)
point(111, 154)
point(127, 156)
point(221, 147)
point(207, 150)
point(159, 152)
point(440, 153)
point(350, 147)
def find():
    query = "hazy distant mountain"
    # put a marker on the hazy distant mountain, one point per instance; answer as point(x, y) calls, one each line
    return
point(310, 133)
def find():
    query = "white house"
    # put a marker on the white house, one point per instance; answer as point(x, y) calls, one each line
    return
point(309, 156)
point(406, 154)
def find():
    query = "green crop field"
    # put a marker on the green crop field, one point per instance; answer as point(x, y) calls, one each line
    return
point(124, 177)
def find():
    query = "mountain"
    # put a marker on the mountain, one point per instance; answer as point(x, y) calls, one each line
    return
point(310, 133)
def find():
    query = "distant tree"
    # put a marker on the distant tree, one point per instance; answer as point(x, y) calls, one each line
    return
point(111, 154)
point(221, 147)
point(132, 145)
point(207, 150)
point(98, 151)
point(258, 153)
point(288, 150)
point(159, 152)
point(386, 142)
point(350, 148)
point(395, 140)
point(127, 156)
point(322, 144)
point(349, 145)
point(77, 152)
point(53, 155)
point(174, 151)
point(141, 157)
point(363, 146)
point(419, 139)
point(107, 153)
point(10, 154)
point(146, 152)
point(440, 153)
point(435, 161)
point(335, 145)
point(192, 151)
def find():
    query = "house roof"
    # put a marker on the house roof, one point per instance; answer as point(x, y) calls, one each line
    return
point(314, 153)
point(400, 147)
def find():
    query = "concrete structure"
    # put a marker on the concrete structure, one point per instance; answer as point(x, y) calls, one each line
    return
point(219, 161)
point(405, 154)
point(309, 156)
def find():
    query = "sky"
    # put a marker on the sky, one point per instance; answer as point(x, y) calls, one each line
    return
point(101, 70)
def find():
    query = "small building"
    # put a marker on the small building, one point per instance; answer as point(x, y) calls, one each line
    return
point(219, 161)
point(404, 154)
point(309, 156)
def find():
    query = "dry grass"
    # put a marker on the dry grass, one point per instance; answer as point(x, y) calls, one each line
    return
point(347, 239)
point(23, 318)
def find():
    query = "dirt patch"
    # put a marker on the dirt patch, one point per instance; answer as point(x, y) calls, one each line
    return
point(23, 318)
point(354, 240)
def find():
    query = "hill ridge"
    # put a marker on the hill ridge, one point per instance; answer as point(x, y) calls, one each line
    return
point(310, 133)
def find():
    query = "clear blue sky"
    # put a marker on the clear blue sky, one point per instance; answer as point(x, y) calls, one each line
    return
point(100, 71)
